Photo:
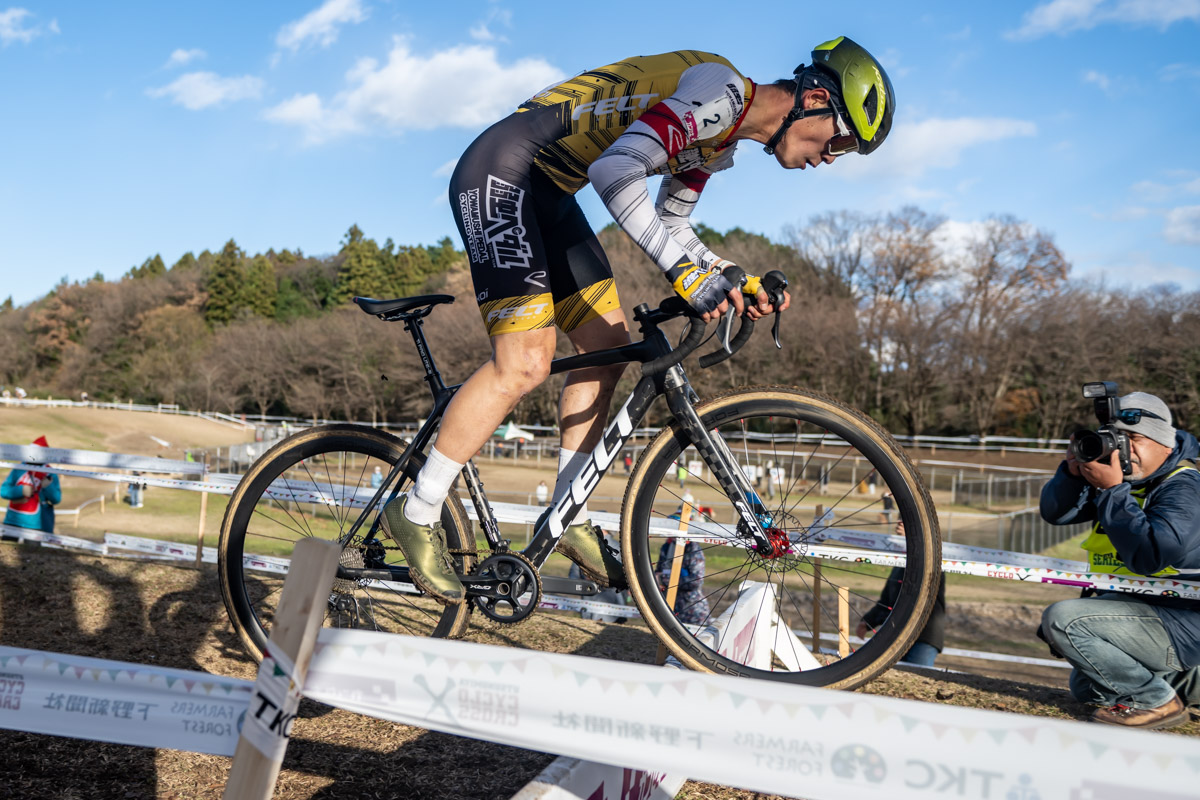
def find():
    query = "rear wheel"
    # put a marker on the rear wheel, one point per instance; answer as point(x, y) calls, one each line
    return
point(821, 471)
point(317, 483)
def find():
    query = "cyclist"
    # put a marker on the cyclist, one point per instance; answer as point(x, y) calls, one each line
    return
point(536, 263)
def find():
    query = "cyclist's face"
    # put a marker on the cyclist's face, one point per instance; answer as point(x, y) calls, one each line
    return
point(804, 145)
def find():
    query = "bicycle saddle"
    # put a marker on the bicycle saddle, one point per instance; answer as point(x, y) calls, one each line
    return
point(401, 305)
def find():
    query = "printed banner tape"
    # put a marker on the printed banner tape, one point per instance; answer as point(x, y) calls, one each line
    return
point(757, 735)
point(120, 702)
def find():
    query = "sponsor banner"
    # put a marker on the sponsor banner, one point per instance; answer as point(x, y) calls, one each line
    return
point(36, 456)
point(576, 779)
point(113, 701)
point(756, 735)
point(52, 539)
point(217, 484)
point(159, 547)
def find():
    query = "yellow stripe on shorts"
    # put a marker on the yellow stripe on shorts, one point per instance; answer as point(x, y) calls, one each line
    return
point(586, 305)
point(515, 314)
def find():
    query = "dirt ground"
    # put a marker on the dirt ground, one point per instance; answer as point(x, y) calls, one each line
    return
point(170, 616)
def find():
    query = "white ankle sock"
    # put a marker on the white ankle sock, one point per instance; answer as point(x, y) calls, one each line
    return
point(424, 506)
point(569, 462)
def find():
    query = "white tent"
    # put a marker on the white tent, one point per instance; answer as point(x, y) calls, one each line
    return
point(509, 431)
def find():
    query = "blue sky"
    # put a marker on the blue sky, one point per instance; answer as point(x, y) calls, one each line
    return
point(138, 128)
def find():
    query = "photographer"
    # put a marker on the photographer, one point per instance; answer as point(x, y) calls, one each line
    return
point(1130, 651)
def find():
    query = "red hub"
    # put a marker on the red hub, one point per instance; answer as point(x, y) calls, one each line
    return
point(781, 545)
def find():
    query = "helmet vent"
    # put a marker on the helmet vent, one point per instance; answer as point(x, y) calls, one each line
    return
point(871, 104)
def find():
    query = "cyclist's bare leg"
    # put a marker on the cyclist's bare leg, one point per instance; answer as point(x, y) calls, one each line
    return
point(583, 405)
point(520, 362)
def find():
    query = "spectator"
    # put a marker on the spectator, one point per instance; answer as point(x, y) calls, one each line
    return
point(691, 605)
point(931, 639)
point(377, 478)
point(1131, 653)
point(628, 463)
point(136, 491)
point(889, 504)
point(20, 393)
point(542, 492)
point(27, 492)
point(681, 473)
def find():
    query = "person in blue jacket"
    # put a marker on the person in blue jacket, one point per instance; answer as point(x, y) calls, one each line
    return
point(1131, 652)
point(27, 493)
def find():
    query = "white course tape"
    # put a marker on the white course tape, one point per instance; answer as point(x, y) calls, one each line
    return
point(52, 539)
point(32, 456)
point(757, 735)
point(273, 707)
point(576, 779)
point(113, 701)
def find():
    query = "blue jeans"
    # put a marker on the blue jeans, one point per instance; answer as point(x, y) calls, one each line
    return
point(921, 653)
point(1119, 649)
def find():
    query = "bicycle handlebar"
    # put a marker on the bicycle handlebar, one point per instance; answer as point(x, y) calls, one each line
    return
point(773, 284)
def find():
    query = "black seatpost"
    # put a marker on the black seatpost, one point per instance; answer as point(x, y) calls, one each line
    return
point(413, 325)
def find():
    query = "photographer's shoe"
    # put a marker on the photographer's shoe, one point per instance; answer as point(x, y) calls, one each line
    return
point(1167, 715)
point(424, 546)
point(584, 544)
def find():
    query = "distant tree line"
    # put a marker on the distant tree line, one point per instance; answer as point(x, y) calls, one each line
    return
point(983, 332)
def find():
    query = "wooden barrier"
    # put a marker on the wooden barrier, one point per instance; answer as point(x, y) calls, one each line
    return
point(294, 634)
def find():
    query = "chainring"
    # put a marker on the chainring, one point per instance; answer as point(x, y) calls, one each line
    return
point(524, 588)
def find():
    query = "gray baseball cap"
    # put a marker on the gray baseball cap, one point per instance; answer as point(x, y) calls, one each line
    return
point(1160, 430)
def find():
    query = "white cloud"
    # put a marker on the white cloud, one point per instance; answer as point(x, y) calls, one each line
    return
point(320, 26)
point(446, 170)
point(13, 26)
point(912, 148)
point(960, 35)
point(197, 90)
point(1182, 225)
point(1175, 72)
point(1061, 17)
point(463, 87)
point(181, 57)
point(1098, 78)
point(483, 32)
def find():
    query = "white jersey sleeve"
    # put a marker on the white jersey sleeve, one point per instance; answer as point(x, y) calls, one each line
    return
point(699, 109)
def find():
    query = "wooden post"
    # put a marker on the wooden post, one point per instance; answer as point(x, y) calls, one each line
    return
point(294, 635)
point(843, 621)
point(816, 623)
point(685, 517)
point(101, 504)
point(200, 534)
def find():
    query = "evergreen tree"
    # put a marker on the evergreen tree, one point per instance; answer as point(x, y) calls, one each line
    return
point(411, 267)
point(286, 257)
point(150, 268)
point(224, 285)
point(443, 254)
point(258, 290)
point(186, 261)
point(361, 272)
point(290, 302)
point(7, 305)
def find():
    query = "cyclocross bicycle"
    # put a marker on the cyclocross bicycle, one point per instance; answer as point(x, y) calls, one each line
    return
point(769, 549)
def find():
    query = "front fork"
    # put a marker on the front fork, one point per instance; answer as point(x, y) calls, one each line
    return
point(753, 518)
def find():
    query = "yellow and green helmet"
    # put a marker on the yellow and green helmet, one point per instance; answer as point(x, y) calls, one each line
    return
point(864, 95)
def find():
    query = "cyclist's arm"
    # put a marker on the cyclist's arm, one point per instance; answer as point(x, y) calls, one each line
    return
point(699, 109)
point(677, 199)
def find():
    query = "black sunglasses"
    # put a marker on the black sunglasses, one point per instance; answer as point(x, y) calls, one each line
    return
point(1132, 416)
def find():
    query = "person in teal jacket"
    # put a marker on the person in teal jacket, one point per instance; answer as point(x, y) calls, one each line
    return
point(26, 492)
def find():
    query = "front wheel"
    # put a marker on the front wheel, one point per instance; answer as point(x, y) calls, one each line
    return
point(318, 483)
point(821, 475)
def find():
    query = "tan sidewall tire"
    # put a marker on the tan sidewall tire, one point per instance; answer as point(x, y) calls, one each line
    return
point(454, 620)
point(721, 407)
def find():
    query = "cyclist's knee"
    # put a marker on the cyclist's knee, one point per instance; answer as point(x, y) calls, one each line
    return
point(522, 366)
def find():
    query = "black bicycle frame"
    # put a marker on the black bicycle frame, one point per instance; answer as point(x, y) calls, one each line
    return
point(672, 383)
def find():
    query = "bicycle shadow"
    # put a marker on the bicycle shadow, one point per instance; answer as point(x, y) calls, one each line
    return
point(78, 604)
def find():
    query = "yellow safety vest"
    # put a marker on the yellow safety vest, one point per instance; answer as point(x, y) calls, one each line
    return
point(1102, 555)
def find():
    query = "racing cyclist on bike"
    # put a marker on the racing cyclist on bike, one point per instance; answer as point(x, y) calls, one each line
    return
point(536, 263)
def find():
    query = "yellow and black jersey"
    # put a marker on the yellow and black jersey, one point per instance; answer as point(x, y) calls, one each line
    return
point(595, 107)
